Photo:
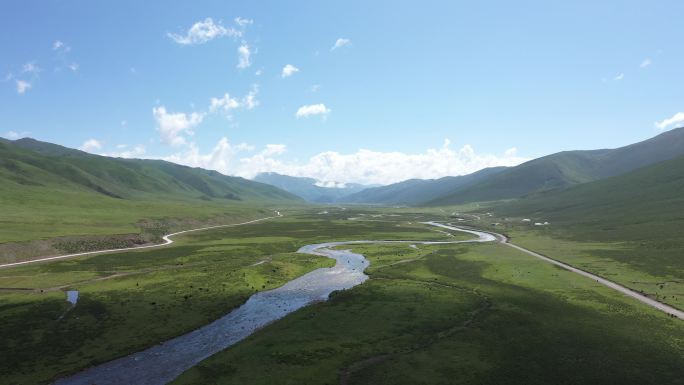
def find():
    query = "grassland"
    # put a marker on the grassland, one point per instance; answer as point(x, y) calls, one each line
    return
point(630, 263)
point(644, 256)
point(449, 314)
point(476, 314)
point(71, 222)
point(29, 213)
point(626, 228)
point(48, 191)
point(131, 300)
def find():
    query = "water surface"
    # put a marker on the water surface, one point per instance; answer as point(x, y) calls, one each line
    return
point(72, 296)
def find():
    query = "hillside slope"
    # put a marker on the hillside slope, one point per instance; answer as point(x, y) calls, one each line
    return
point(49, 191)
point(646, 195)
point(627, 226)
point(31, 162)
point(569, 168)
point(415, 191)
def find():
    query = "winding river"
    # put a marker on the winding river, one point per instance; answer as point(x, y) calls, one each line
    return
point(164, 362)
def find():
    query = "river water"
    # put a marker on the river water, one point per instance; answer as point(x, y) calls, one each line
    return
point(72, 297)
point(164, 362)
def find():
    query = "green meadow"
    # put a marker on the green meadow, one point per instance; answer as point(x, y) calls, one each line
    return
point(132, 300)
point(457, 314)
point(644, 256)
point(30, 214)
point(465, 313)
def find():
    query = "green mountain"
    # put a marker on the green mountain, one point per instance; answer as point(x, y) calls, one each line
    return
point(568, 168)
point(642, 211)
point(416, 191)
point(647, 195)
point(28, 162)
point(308, 188)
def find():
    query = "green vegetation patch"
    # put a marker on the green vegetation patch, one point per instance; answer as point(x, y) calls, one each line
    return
point(459, 314)
point(131, 300)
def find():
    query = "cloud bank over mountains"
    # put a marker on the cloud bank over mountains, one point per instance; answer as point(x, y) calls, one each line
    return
point(363, 166)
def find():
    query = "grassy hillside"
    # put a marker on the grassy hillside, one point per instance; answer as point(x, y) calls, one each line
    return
point(27, 161)
point(48, 190)
point(626, 228)
point(569, 168)
point(415, 191)
point(307, 188)
point(644, 203)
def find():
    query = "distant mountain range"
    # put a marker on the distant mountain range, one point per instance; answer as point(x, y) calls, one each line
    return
point(651, 194)
point(309, 188)
point(28, 162)
point(549, 173)
point(568, 168)
point(416, 191)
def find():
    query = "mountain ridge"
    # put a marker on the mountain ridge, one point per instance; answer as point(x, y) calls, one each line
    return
point(415, 191)
point(29, 161)
point(568, 168)
point(308, 188)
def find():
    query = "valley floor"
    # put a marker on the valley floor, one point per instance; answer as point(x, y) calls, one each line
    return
point(482, 314)
point(470, 314)
point(645, 257)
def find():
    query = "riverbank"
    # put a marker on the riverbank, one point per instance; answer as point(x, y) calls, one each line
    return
point(131, 300)
point(164, 362)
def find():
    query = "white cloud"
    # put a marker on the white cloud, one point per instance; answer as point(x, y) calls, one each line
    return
point(23, 86)
point(12, 135)
point(59, 45)
point(250, 101)
point(244, 55)
point(619, 76)
point(315, 88)
point(311, 110)
point(676, 119)
point(91, 145)
point(289, 70)
point(219, 159)
point(339, 43)
point(173, 126)
point(243, 22)
point(16, 135)
point(647, 62)
point(366, 166)
point(258, 72)
point(31, 68)
point(202, 32)
point(511, 152)
point(74, 67)
point(244, 147)
point(362, 166)
point(274, 149)
point(228, 103)
point(136, 152)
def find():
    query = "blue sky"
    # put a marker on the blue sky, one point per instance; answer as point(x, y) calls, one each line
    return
point(499, 82)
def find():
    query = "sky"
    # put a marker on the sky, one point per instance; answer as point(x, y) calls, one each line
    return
point(342, 91)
